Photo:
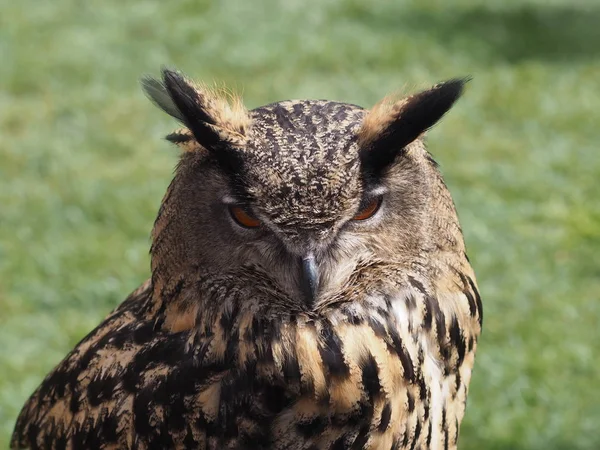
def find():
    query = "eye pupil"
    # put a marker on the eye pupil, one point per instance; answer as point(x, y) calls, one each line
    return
point(369, 209)
point(243, 217)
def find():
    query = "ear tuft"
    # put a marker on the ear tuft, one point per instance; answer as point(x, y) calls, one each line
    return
point(215, 117)
point(185, 140)
point(391, 126)
point(157, 93)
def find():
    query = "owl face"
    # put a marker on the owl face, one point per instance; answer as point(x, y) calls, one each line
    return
point(304, 167)
point(301, 193)
point(301, 198)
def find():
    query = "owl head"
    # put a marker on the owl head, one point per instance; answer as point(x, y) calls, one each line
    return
point(303, 195)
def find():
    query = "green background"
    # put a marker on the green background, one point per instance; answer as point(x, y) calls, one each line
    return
point(83, 167)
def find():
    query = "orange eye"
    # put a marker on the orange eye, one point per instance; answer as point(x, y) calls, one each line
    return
point(243, 218)
point(368, 209)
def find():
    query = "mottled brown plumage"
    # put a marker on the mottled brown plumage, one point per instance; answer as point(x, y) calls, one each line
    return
point(317, 329)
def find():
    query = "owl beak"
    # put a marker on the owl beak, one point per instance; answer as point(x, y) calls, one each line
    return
point(310, 277)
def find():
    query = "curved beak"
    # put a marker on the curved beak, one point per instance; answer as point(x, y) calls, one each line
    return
point(310, 277)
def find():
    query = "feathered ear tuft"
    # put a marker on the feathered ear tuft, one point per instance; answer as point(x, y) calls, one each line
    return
point(390, 126)
point(185, 140)
point(217, 120)
point(158, 94)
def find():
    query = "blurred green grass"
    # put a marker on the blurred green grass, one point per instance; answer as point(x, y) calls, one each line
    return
point(83, 169)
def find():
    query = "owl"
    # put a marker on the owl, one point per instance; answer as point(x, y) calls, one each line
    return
point(309, 289)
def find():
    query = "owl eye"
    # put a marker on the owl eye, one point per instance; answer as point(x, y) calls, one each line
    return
point(243, 217)
point(368, 208)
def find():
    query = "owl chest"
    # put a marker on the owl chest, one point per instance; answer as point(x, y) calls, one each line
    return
point(383, 382)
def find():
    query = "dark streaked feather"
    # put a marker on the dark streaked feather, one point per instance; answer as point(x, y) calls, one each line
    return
point(412, 118)
point(157, 93)
point(192, 106)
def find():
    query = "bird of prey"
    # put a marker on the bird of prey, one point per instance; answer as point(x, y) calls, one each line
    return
point(309, 290)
